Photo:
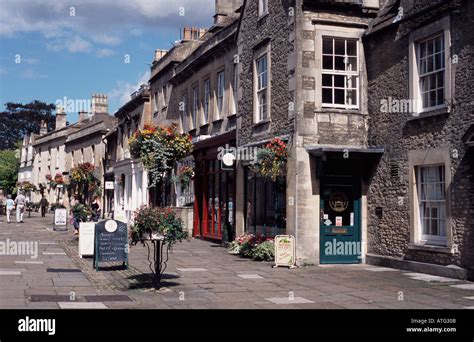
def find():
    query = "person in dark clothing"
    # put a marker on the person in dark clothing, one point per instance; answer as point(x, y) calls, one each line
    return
point(44, 205)
point(95, 210)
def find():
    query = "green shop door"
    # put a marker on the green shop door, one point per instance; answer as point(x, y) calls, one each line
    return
point(340, 233)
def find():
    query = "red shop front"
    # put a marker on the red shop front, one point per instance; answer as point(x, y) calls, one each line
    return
point(214, 186)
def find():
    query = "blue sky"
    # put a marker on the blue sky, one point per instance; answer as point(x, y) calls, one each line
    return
point(51, 49)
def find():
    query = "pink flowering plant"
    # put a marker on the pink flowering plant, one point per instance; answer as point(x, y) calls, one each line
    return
point(257, 247)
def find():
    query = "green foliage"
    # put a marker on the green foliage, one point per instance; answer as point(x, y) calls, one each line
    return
point(81, 212)
point(85, 182)
point(55, 206)
point(264, 251)
point(250, 246)
point(18, 120)
point(159, 148)
point(8, 170)
point(271, 159)
point(163, 221)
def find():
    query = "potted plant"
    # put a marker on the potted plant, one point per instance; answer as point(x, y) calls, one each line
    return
point(154, 223)
point(163, 228)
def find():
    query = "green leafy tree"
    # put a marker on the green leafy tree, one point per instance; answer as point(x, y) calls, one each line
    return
point(19, 119)
point(8, 170)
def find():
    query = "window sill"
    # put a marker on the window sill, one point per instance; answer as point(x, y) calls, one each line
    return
point(325, 110)
point(430, 248)
point(430, 113)
point(261, 16)
point(262, 123)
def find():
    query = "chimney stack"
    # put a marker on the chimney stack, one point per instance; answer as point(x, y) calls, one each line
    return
point(225, 8)
point(100, 104)
point(60, 118)
point(43, 127)
point(193, 33)
point(159, 54)
point(83, 115)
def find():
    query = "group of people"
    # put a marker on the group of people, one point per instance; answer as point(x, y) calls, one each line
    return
point(19, 203)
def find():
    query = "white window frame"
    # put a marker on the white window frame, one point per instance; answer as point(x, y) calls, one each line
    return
point(262, 8)
point(184, 113)
point(425, 158)
point(155, 103)
point(235, 85)
point(438, 239)
point(426, 75)
point(164, 92)
point(207, 100)
point(195, 107)
point(346, 73)
point(416, 37)
point(57, 157)
point(263, 52)
point(220, 93)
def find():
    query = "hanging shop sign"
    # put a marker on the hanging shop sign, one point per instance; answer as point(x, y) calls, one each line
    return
point(109, 185)
point(285, 251)
point(111, 242)
point(60, 219)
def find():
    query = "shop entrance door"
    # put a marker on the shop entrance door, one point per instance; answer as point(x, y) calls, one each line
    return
point(340, 227)
point(217, 201)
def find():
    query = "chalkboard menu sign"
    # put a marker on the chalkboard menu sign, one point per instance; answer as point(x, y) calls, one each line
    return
point(111, 242)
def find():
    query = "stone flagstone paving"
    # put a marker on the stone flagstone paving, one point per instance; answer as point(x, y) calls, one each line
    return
point(200, 274)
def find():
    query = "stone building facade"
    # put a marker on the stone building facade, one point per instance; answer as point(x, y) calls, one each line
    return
point(86, 144)
point(49, 158)
point(421, 199)
point(317, 103)
point(161, 92)
point(129, 178)
point(204, 102)
point(25, 169)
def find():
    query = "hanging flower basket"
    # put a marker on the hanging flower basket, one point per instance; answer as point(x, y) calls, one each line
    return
point(159, 148)
point(85, 181)
point(27, 186)
point(271, 160)
point(57, 180)
point(83, 173)
point(185, 176)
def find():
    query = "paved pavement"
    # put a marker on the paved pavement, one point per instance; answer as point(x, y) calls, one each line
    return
point(201, 274)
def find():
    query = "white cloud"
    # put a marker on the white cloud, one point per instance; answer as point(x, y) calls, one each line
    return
point(136, 32)
point(30, 74)
point(100, 21)
point(71, 43)
point(121, 93)
point(104, 52)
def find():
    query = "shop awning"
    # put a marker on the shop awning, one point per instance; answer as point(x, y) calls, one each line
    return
point(319, 151)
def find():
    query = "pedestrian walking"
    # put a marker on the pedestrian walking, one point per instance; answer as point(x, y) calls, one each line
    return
point(95, 210)
point(44, 205)
point(20, 202)
point(10, 206)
